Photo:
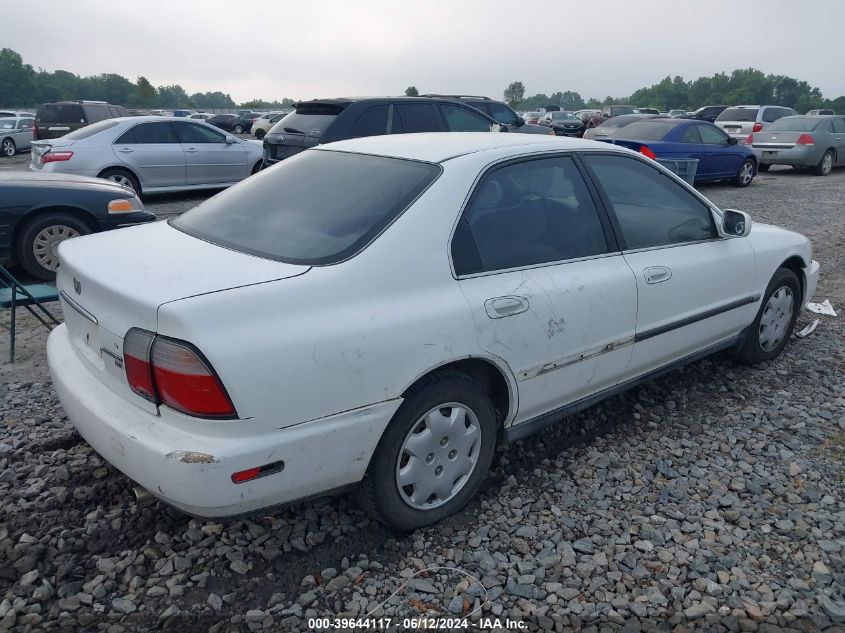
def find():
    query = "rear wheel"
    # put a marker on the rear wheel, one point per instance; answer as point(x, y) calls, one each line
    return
point(434, 454)
point(259, 134)
point(746, 174)
point(40, 238)
point(239, 129)
point(763, 167)
point(8, 148)
point(123, 177)
point(825, 165)
point(773, 325)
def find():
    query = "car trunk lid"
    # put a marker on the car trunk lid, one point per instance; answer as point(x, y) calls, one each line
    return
point(111, 282)
point(775, 140)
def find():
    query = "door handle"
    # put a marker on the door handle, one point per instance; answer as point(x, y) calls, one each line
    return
point(125, 150)
point(499, 307)
point(192, 150)
point(656, 274)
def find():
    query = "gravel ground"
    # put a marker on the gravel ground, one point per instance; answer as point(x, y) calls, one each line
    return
point(710, 499)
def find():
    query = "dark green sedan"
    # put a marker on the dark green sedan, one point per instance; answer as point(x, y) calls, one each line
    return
point(38, 211)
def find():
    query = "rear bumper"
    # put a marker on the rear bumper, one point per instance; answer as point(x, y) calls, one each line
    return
point(804, 156)
point(318, 456)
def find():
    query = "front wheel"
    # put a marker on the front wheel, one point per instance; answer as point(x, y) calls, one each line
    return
point(40, 238)
point(239, 129)
point(768, 334)
point(8, 147)
point(825, 165)
point(259, 134)
point(746, 174)
point(434, 454)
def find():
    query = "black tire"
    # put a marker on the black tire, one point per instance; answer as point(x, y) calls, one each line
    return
point(239, 129)
point(8, 147)
point(257, 167)
point(26, 240)
point(763, 167)
point(124, 177)
point(379, 492)
point(742, 179)
point(260, 133)
point(752, 350)
point(825, 165)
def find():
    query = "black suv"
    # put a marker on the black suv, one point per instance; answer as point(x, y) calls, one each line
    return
point(499, 111)
point(706, 113)
point(327, 120)
point(57, 118)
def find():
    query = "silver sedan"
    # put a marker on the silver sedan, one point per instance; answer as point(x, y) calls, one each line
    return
point(15, 135)
point(151, 154)
point(801, 141)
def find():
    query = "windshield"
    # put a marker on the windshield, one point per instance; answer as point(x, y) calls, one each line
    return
point(318, 207)
point(738, 114)
point(619, 121)
point(794, 124)
point(564, 116)
point(617, 110)
point(90, 130)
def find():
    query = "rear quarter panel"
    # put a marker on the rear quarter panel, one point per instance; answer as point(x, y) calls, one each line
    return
point(342, 336)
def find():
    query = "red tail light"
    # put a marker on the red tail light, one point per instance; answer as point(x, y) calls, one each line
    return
point(172, 372)
point(646, 151)
point(750, 139)
point(758, 127)
point(56, 157)
point(805, 139)
point(35, 130)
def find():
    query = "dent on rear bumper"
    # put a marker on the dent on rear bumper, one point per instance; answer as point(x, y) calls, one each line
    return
point(192, 470)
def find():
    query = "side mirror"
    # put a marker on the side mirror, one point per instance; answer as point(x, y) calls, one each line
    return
point(732, 140)
point(230, 140)
point(735, 223)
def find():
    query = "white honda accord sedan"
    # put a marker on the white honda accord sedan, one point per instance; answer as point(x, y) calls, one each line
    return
point(383, 311)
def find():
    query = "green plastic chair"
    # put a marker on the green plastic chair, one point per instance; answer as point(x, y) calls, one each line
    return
point(14, 294)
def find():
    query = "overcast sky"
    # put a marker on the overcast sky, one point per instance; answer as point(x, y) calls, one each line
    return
point(329, 48)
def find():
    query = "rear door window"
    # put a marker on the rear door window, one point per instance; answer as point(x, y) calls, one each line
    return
point(460, 119)
point(691, 135)
point(372, 122)
point(651, 208)
point(149, 134)
point(418, 117)
point(528, 213)
point(51, 113)
point(95, 113)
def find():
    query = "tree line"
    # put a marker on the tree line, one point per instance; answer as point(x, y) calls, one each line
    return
point(23, 86)
point(743, 86)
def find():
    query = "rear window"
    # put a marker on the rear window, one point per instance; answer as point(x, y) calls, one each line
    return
point(8, 124)
point(794, 124)
point(738, 114)
point(89, 130)
point(311, 119)
point(316, 208)
point(60, 113)
point(649, 130)
point(619, 121)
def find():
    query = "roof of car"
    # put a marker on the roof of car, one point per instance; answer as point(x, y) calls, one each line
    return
point(436, 147)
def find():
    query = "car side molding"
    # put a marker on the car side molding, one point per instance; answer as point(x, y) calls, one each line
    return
point(529, 427)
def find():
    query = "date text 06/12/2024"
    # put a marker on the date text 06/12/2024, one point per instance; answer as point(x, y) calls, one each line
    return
point(416, 624)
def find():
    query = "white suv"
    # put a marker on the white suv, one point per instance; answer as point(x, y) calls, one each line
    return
point(740, 121)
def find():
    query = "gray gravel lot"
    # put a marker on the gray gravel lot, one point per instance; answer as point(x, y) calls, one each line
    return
point(710, 499)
